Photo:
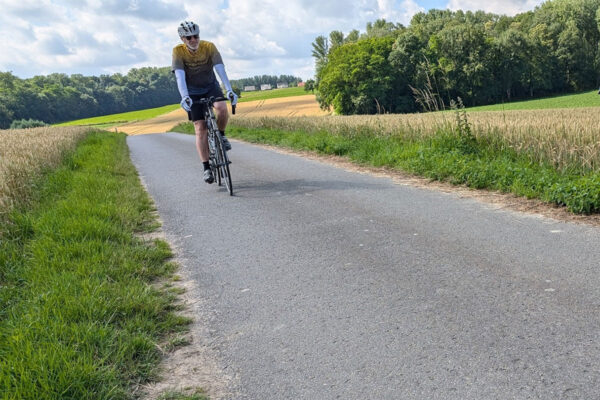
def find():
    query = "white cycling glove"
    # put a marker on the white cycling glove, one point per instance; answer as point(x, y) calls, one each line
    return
point(220, 68)
point(186, 102)
point(232, 96)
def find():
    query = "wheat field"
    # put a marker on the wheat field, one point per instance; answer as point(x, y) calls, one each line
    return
point(564, 137)
point(24, 153)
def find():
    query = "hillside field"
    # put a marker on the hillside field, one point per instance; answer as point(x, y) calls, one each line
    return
point(587, 99)
point(272, 94)
point(107, 121)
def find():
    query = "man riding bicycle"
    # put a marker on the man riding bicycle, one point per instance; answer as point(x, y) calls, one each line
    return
point(193, 63)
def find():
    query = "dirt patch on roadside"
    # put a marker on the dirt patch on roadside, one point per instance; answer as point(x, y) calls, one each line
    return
point(193, 366)
point(191, 362)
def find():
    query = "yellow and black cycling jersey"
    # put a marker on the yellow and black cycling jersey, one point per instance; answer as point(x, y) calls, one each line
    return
point(198, 65)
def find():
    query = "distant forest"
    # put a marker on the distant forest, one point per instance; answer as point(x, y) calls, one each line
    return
point(60, 97)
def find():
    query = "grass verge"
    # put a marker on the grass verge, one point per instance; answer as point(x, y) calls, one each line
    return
point(452, 154)
point(80, 311)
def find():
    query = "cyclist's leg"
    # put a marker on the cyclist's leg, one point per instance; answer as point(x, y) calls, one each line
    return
point(196, 115)
point(201, 139)
point(202, 148)
point(222, 118)
point(222, 115)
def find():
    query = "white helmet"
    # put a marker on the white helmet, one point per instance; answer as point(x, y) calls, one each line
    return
point(188, 28)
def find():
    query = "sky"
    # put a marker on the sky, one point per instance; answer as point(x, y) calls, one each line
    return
point(254, 37)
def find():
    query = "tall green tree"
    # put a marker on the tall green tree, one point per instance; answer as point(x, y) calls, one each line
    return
point(320, 52)
point(359, 79)
point(352, 36)
point(336, 39)
point(381, 28)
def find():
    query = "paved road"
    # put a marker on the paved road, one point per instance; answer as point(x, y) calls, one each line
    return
point(323, 284)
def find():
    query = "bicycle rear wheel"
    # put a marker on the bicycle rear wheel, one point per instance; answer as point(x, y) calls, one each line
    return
point(223, 162)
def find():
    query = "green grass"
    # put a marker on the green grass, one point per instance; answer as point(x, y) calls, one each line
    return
point(185, 127)
point(587, 99)
point(107, 121)
point(272, 94)
point(448, 156)
point(81, 310)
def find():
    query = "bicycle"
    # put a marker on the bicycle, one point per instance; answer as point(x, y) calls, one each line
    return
point(217, 156)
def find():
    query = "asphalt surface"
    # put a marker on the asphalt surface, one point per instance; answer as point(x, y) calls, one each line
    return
point(319, 283)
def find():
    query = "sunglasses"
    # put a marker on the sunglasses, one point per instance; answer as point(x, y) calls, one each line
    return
point(191, 37)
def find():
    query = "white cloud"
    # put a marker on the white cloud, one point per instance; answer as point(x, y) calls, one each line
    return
point(507, 7)
point(395, 11)
point(255, 37)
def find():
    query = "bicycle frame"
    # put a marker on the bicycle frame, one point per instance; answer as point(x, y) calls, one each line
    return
point(218, 158)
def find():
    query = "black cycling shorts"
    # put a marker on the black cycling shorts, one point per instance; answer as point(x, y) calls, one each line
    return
point(198, 109)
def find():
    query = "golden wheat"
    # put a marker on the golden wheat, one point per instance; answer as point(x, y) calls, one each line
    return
point(564, 137)
point(26, 152)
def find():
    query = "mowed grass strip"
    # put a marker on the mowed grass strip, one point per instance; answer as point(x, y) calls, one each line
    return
point(450, 153)
point(107, 121)
point(587, 99)
point(272, 94)
point(81, 311)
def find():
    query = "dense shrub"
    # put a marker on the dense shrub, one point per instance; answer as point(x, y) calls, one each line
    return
point(27, 123)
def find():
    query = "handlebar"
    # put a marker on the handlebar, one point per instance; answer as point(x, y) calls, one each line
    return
point(211, 100)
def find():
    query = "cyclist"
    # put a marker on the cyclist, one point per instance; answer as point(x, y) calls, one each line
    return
point(193, 64)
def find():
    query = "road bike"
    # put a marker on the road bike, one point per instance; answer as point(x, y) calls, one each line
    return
point(217, 155)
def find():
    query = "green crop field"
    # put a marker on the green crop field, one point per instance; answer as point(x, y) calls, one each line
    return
point(272, 94)
point(587, 99)
point(106, 121)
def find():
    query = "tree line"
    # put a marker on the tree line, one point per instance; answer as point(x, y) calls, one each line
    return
point(59, 97)
point(480, 57)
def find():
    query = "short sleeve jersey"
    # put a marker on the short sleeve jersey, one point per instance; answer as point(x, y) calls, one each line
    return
point(198, 66)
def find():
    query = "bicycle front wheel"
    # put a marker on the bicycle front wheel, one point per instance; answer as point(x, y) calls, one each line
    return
point(213, 158)
point(223, 162)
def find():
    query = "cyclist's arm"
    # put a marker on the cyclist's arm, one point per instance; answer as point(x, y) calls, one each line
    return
point(181, 84)
point(186, 101)
point(220, 68)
